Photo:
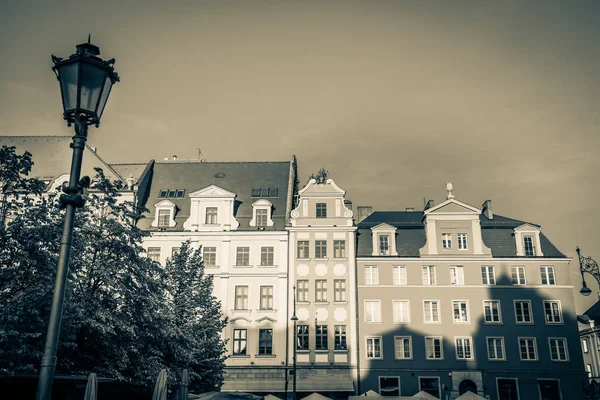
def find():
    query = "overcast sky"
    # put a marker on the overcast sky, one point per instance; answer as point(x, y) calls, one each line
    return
point(394, 98)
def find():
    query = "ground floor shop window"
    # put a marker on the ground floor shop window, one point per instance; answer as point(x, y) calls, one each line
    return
point(507, 389)
point(389, 385)
point(549, 389)
point(430, 385)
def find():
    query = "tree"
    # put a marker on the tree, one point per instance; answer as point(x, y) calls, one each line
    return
point(321, 176)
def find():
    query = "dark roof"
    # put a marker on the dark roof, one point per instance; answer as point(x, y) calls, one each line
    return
point(133, 169)
point(594, 312)
point(237, 177)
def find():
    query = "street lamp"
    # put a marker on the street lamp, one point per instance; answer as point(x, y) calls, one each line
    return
point(587, 264)
point(85, 83)
point(295, 344)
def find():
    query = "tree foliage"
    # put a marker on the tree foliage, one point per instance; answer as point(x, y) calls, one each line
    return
point(321, 176)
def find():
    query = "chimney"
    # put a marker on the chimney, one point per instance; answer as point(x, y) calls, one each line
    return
point(362, 213)
point(348, 204)
point(430, 203)
point(487, 209)
point(410, 209)
point(174, 157)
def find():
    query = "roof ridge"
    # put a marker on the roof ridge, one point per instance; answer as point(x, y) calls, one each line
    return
point(104, 162)
point(218, 162)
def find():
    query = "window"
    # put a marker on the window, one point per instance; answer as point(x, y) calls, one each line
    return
point(302, 290)
point(273, 192)
point(403, 347)
point(553, 312)
point(302, 249)
point(266, 256)
point(401, 311)
point(446, 241)
point(431, 311)
point(433, 348)
point(507, 389)
point(321, 337)
point(241, 297)
point(320, 290)
point(264, 192)
point(371, 275)
point(588, 369)
point(457, 275)
point(372, 311)
point(428, 275)
point(495, 348)
point(179, 193)
point(171, 193)
point(488, 276)
point(302, 337)
point(460, 311)
point(374, 347)
point(399, 275)
point(240, 340)
point(547, 275)
point(164, 217)
point(340, 337)
point(261, 217)
point(518, 275)
point(210, 255)
point(389, 386)
point(175, 251)
point(384, 245)
point(243, 256)
point(558, 349)
point(430, 385)
point(265, 342)
point(491, 311)
point(528, 246)
point(462, 241)
point(211, 215)
point(464, 348)
point(528, 349)
point(584, 345)
point(320, 248)
point(154, 253)
point(339, 290)
point(162, 194)
point(266, 297)
point(523, 312)
point(549, 389)
point(339, 248)
point(321, 210)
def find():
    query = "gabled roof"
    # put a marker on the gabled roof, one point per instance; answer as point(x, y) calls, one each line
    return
point(593, 312)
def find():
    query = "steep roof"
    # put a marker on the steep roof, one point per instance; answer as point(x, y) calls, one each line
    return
point(594, 312)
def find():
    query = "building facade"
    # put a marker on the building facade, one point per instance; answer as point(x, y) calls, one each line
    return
point(589, 334)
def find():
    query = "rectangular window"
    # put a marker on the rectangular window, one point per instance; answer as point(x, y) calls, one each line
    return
point(242, 256)
point(265, 342)
point(403, 347)
point(495, 348)
point(462, 241)
point(164, 217)
point(255, 192)
point(518, 275)
point(433, 348)
point(175, 251)
point(171, 193)
point(507, 389)
point(321, 210)
point(339, 248)
point(584, 346)
point(547, 272)
point(340, 337)
point(399, 275)
point(488, 276)
point(527, 349)
point(523, 312)
point(431, 311)
point(528, 246)
point(302, 337)
point(273, 192)
point(261, 217)
point(241, 297)
point(371, 275)
point(588, 369)
point(180, 193)
point(303, 249)
point(553, 312)
point(372, 311)
point(446, 241)
point(464, 348)
point(401, 311)
point(374, 347)
point(460, 310)
point(457, 275)
point(320, 290)
point(267, 256)
point(549, 389)
point(389, 386)
point(428, 275)
point(154, 253)
point(302, 290)
point(210, 255)
point(162, 193)
point(384, 245)
point(491, 312)
point(558, 349)
point(430, 385)
point(240, 340)
point(212, 214)
point(321, 337)
point(266, 297)
point(320, 248)
point(339, 290)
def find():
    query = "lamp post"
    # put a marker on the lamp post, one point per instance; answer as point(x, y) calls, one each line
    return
point(587, 264)
point(85, 83)
point(295, 344)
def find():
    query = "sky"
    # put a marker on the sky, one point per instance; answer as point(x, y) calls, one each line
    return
point(393, 98)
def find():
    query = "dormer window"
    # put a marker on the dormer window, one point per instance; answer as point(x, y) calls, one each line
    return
point(384, 245)
point(212, 215)
point(165, 214)
point(261, 217)
point(261, 213)
point(321, 210)
point(527, 239)
point(384, 240)
point(446, 241)
point(528, 246)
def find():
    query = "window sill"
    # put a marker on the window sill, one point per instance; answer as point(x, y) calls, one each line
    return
point(243, 266)
point(493, 323)
point(302, 351)
point(404, 359)
point(496, 360)
point(340, 302)
point(210, 225)
point(303, 259)
point(555, 323)
point(401, 323)
point(373, 322)
point(340, 258)
point(239, 356)
point(341, 351)
point(265, 356)
point(374, 358)
point(267, 266)
point(322, 351)
point(266, 310)
point(303, 302)
point(461, 322)
point(212, 266)
point(321, 259)
point(322, 302)
point(525, 323)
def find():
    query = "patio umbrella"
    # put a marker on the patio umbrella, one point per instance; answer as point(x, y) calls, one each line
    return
point(422, 395)
point(470, 396)
point(316, 396)
point(91, 389)
point(371, 393)
point(227, 395)
point(160, 389)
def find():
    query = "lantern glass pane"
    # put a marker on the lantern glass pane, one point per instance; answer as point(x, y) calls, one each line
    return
point(68, 86)
point(92, 77)
point(104, 96)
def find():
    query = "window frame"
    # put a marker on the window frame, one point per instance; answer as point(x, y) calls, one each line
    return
point(302, 336)
point(410, 349)
point(518, 268)
point(375, 320)
point(213, 213)
point(373, 275)
point(239, 251)
point(161, 222)
point(380, 377)
point(467, 308)
point(260, 343)
point(264, 252)
point(502, 345)
point(239, 340)
point(396, 275)
point(204, 258)
point(321, 337)
point(564, 340)
point(500, 321)
point(471, 347)
point(464, 245)
point(157, 253)
point(262, 217)
point(339, 248)
point(305, 246)
point(394, 318)
point(560, 312)
point(383, 244)
point(438, 308)
point(374, 338)
point(487, 268)
point(433, 337)
point(321, 210)
point(532, 322)
point(532, 243)
point(321, 249)
point(546, 270)
point(267, 296)
point(535, 349)
point(446, 241)
point(585, 348)
point(322, 291)
point(339, 338)
point(458, 275)
point(431, 275)
point(241, 297)
point(341, 290)
point(302, 290)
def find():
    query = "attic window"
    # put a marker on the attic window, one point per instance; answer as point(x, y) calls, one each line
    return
point(171, 193)
point(180, 193)
point(265, 192)
point(162, 194)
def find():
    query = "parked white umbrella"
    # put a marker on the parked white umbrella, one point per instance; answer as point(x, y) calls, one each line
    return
point(470, 396)
point(160, 388)
point(91, 389)
point(371, 393)
point(271, 397)
point(422, 395)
